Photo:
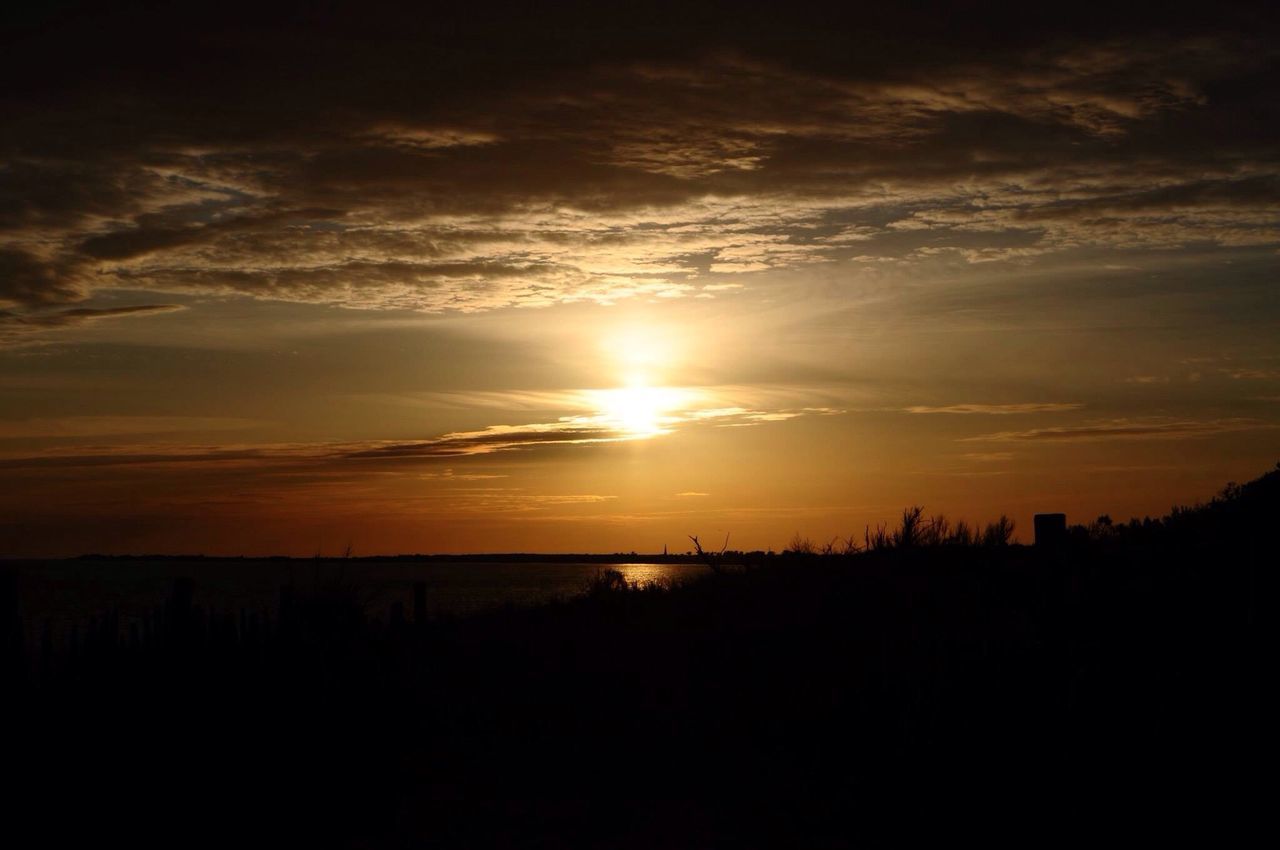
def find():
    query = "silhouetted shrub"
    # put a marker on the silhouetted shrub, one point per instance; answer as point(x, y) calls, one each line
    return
point(908, 534)
point(998, 533)
point(961, 535)
point(607, 582)
point(800, 545)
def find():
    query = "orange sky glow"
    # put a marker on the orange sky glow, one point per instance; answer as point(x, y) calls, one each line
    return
point(602, 302)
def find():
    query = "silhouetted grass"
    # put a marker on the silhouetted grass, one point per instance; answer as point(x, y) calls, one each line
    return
point(934, 678)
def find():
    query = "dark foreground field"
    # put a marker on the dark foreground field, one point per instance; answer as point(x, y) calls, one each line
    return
point(1115, 687)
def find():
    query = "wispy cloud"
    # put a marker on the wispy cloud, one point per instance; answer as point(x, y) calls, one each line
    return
point(1254, 374)
point(17, 328)
point(576, 430)
point(495, 438)
point(997, 409)
point(452, 475)
point(605, 427)
point(1126, 429)
point(115, 426)
point(988, 457)
point(575, 499)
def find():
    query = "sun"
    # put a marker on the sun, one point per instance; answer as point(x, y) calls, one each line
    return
point(635, 410)
point(638, 411)
point(642, 405)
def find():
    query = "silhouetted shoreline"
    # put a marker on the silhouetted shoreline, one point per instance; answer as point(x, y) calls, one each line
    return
point(492, 557)
point(1118, 679)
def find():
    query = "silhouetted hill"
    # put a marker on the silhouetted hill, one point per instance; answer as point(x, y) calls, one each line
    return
point(1117, 684)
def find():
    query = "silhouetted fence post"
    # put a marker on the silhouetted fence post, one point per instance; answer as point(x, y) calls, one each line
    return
point(285, 612)
point(1051, 531)
point(179, 622)
point(46, 649)
point(11, 623)
point(113, 629)
point(420, 603)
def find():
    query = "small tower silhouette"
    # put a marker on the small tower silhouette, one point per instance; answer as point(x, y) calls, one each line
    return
point(1051, 530)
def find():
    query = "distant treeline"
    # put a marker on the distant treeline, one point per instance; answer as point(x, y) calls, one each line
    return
point(495, 557)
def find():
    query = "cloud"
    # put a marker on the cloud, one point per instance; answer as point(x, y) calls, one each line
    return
point(1254, 374)
point(596, 428)
point(1126, 429)
point(161, 455)
point(988, 457)
point(495, 438)
point(451, 475)
point(691, 494)
point(26, 278)
point(605, 426)
point(81, 315)
point(575, 499)
point(17, 328)
point(113, 426)
point(615, 165)
point(997, 409)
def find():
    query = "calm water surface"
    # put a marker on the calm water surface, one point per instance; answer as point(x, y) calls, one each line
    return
point(69, 591)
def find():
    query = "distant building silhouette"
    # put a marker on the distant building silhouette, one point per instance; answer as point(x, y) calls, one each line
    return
point(1051, 530)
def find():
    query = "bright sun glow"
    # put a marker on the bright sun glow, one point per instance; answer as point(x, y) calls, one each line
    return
point(638, 411)
point(639, 350)
point(643, 357)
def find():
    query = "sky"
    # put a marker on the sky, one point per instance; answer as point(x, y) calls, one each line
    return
point(284, 278)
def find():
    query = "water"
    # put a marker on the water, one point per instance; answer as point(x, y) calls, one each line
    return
point(68, 592)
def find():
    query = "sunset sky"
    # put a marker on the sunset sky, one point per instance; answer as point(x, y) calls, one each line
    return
point(490, 278)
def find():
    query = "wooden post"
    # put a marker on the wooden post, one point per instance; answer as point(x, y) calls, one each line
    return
point(1051, 530)
point(420, 603)
point(10, 622)
point(46, 649)
point(179, 618)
